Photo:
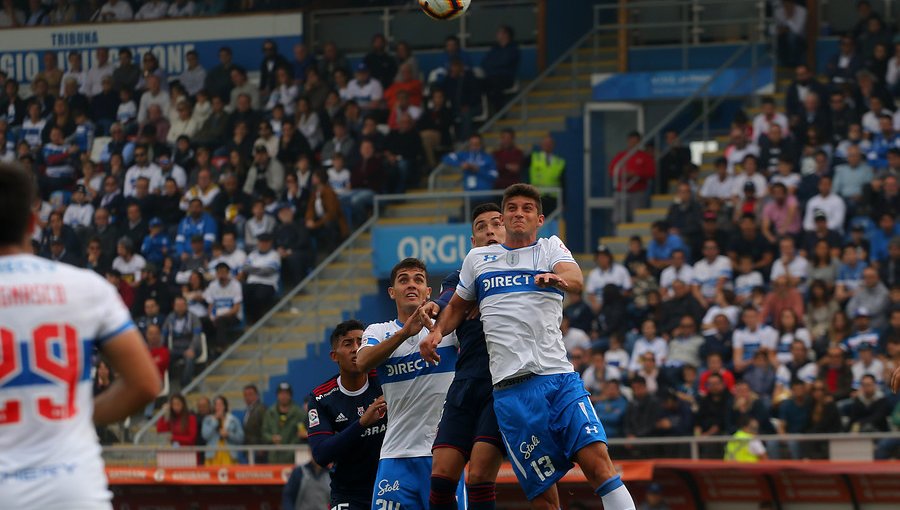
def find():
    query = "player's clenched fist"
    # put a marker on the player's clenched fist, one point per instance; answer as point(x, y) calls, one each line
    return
point(374, 412)
point(428, 347)
point(427, 312)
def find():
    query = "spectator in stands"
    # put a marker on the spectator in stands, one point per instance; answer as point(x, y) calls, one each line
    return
point(223, 429)
point(767, 118)
point(775, 148)
point(324, 217)
point(332, 60)
point(680, 317)
point(606, 273)
point(272, 61)
point(127, 74)
point(406, 82)
point(261, 276)
point(266, 173)
point(889, 270)
point(11, 16)
point(871, 296)
point(679, 269)
point(258, 224)
point(612, 406)
point(293, 245)
point(154, 95)
point(403, 156)
point(365, 90)
point(869, 410)
point(213, 130)
point(435, 126)
point(632, 170)
point(379, 62)
point(642, 413)
point(224, 298)
point(282, 424)
point(843, 65)
point(478, 168)
point(128, 263)
point(196, 223)
point(673, 162)
point(827, 202)
point(152, 9)
point(739, 149)
point(509, 159)
point(179, 421)
point(841, 118)
point(501, 66)
point(804, 83)
point(183, 329)
point(243, 87)
point(194, 75)
point(662, 245)
point(462, 90)
point(218, 79)
point(309, 125)
point(254, 414)
point(340, 142)
point(720, 184)
point(546, 170)
point(790, 28)
point(715, 413)
point(685, 214)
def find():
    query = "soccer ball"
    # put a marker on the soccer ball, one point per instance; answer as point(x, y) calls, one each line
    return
point(444, 9)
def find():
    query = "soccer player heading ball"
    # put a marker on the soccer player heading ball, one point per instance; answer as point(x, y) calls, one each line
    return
point(519, 288)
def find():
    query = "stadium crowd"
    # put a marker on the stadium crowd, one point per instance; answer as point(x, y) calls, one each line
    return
point(203, 195)
point(768, 299)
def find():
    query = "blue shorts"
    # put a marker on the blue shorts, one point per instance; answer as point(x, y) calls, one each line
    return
point(468, 417)
point(404, 484)
point(544, 421)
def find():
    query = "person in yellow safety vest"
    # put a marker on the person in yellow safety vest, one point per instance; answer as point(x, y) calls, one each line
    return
point(744, 447)
point(546, 171)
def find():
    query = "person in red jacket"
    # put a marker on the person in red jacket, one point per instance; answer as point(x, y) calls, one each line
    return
point(179, 421)
point(633, 178)
point(158, 351)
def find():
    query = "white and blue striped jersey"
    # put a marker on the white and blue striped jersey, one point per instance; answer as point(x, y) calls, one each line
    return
point(707, 274)
point(521, 320)
point(52, 316)
point(414, 390)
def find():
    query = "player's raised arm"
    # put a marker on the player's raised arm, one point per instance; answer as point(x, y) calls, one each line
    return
point(373, 353)
point(570, 273)
point(450, 319)
point(137, 382)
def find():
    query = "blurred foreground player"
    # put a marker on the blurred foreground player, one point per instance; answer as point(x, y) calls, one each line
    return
point(414, 391)
point(51, 317)
point(347, 422)
point(468, 431)
point(546, 419)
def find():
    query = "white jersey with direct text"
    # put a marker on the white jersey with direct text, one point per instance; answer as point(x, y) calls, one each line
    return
point(521, 320)
point(51, 317)
point(414, 390)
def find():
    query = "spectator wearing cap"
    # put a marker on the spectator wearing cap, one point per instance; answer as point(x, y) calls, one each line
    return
point(293, 244)
point(196, 260)
point(820, 232)
point(266, 173)
point(128, 263)
point(284, 424)
point(654, 499)
point(79, 212)
point(607, 272)
point(632, 175)
point(871, 296)
point(364, 90)
point(156, 245)
point(224, 298)
point(230, 253)
point(196, 223)
point(261, 274)
point(831, 204)
point(720, 184)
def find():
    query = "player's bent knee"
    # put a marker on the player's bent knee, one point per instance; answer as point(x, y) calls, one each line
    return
point(448, 463)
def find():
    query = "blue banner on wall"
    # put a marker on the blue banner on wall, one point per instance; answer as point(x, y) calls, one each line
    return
point(680, 84)
point(442, 247)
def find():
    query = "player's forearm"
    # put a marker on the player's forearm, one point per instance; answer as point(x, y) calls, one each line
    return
point(118, 402)
point(328, 448)
point(371, 356)
point(451, 317)
point(573, 278)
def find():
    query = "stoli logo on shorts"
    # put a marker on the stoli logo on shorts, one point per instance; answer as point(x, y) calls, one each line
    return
point(526, 448)
point(385, 486)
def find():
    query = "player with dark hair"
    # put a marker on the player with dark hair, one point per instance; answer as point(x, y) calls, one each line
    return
point(347, 422)
point(414, 391)
point(52, 317)
point(468, 429)
point(545, 415)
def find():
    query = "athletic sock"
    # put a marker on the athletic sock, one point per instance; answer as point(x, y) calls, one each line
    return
point(443, 493)
point(614, 495)
point(482, 496)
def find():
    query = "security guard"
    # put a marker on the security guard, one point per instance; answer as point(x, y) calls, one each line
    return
point(744, 447)
point(546, 171)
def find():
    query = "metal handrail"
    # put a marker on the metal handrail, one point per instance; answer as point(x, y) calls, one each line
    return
point(256, 326)
point(693, 441)
point(652, 133)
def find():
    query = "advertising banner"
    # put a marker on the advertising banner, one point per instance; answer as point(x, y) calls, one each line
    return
point(442, 247)
point(21, 53)
point(679, 84)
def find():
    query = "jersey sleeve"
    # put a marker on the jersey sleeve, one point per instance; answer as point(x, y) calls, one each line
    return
point(448, 288)
point(371, 337)
point(558, 252)
point(318, 425)
point(466, 286)
point(115, 319)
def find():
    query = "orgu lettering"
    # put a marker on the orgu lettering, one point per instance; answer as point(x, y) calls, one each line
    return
point(518, 280)
point(447, 249)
